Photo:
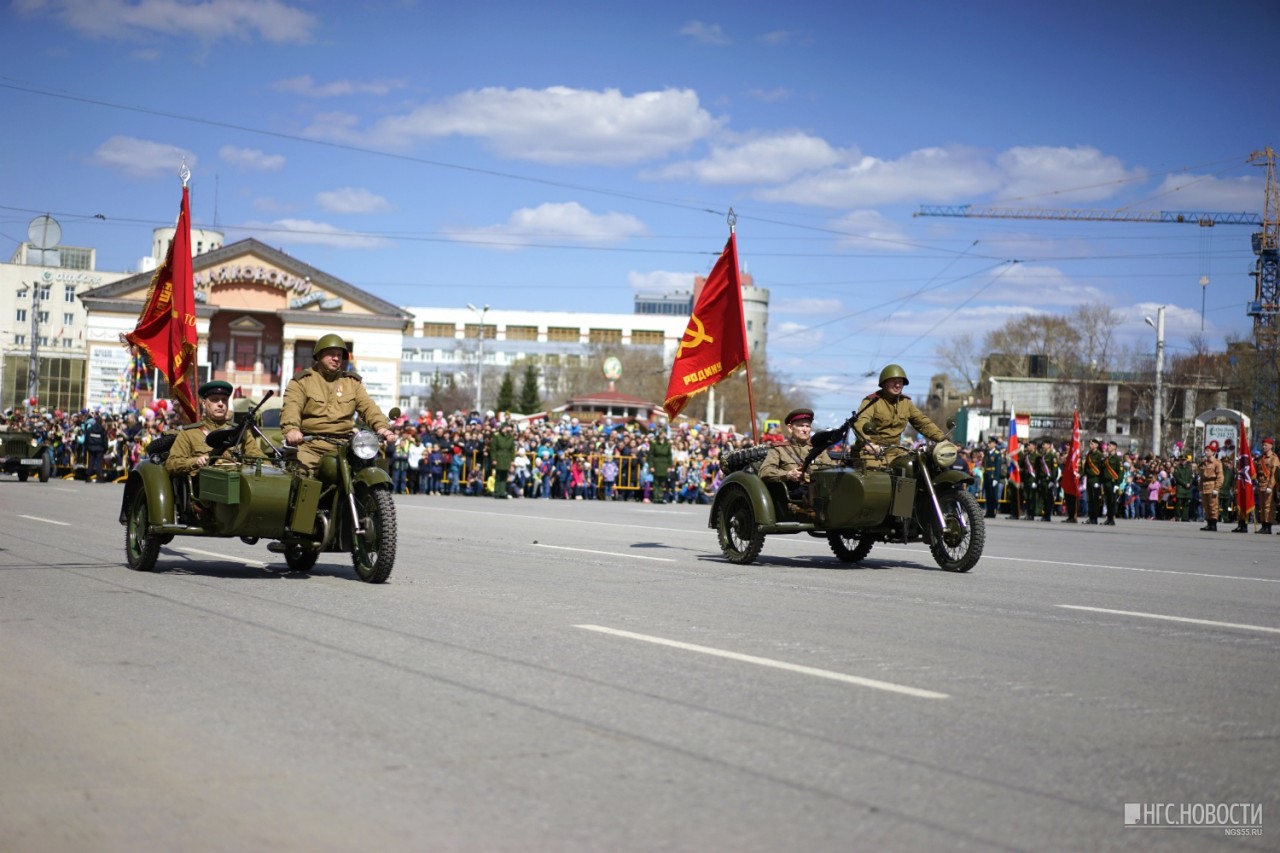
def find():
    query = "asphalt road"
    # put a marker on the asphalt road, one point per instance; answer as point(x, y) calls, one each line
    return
point(568, 676)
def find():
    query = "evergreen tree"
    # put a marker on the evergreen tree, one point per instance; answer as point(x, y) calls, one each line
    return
point(529, 401)
point(506, 394)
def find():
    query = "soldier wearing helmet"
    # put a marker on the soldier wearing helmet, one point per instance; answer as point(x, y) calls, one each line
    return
point(324, 399)
point(882, 417)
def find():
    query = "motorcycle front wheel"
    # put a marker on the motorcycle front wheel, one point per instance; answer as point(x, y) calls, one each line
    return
point(740, 536)
point(373, 552)
point(959, 545)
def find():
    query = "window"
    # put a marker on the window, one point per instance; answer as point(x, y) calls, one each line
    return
point(68, 318)
point(45, 291)
point(246, 353)
point(66, 342)
point(69, 293)
point(646, 337)
point(21, 315)
point(472, 330)
point(605, 336)
point(44, 340)
point(439, 330)
point(564, 333)
point(44, 316)
point(19, 339)
point(522, 333)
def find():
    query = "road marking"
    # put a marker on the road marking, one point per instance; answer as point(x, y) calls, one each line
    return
point(256, 564)
point(606, 553)
point(776, 664)
point(46, 520)
point(1173, 618)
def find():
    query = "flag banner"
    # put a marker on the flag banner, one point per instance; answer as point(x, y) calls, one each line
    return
point(1015, 475)
point(1245, 474)
point(1071, 468)
point(714, 344)
point(166, 330)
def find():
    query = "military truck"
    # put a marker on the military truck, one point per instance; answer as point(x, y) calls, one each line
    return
point(23, 452)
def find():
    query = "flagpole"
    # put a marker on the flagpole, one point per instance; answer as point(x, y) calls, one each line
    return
point(732, 219)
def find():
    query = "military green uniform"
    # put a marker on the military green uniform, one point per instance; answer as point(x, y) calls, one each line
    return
point(660, 461)
point(1048, 470)
point(318, 405)
point(502, 452)
point(881, 421)
point(1093, 482)
point(992, 467)
point(190, 445)
point(1027, 464)
point(1112, 477)
point(1227, 491)
point(1183, 479)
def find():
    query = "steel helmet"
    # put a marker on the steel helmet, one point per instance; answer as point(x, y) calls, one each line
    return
point(893, 371)
point(331, 340)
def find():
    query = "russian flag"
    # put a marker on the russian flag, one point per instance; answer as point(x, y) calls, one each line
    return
point(1015, 475)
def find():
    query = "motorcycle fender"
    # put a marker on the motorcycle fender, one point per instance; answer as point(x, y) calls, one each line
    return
point(154, 480)
point(951, 477)
point(370, 477)
point(757, 492)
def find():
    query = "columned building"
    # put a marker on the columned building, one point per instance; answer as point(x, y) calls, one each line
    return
point(259, 312)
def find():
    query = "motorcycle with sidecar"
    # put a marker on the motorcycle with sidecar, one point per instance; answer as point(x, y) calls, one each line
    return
point(916, 497)
point(345, 505)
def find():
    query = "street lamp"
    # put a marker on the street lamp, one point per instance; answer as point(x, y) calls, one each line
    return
point(480, 353)
point(1157, 420)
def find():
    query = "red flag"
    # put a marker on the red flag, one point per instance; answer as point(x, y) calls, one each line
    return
point(1015, 473)
point(714, 344)
point(1071, 469)
point(166, 330)
point(1245, 474)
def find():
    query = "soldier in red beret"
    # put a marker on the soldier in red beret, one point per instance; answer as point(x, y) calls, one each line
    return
point(1267, 468)
point(1210, 482)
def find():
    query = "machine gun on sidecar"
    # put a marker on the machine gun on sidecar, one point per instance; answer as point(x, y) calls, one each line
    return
point(917, 496)
point(346, 505)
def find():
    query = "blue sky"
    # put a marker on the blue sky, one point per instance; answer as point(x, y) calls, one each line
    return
point(566, 154)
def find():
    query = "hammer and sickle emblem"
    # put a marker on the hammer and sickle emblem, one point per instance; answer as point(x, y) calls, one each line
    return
point(698, 335)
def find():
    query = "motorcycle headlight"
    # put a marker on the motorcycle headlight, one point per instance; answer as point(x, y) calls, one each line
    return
point(944, 454)
point(365, 445)
point(35, 443)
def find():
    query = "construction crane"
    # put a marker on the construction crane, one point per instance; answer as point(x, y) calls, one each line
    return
point(1265, 306)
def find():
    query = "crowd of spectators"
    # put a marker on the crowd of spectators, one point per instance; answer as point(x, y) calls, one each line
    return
point(94, 445)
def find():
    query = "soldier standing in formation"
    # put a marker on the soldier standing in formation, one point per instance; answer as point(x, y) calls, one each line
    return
point(1093, 479)
point(1027, 465)
point(1112, 480)
point(992, 469)
point(1268, 467)
point(1210, 483)
point(1049, 472)
point(1183, 479)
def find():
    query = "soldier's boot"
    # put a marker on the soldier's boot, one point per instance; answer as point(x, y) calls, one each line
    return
point(1266, 528)
point(1240, 528)
point(1211, 526)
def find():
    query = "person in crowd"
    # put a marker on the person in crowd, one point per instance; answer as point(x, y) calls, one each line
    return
point(417, 483)
point(400, 465)
point(1183, 480)
point(1268, 471)
point(502, 453)
point(191, 451)
point(95, 448)
point(323, 400)
point(1210, 482)
point(660, 461)
point(884, 415)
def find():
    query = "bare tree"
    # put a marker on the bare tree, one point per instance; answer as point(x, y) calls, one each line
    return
point(962, 358)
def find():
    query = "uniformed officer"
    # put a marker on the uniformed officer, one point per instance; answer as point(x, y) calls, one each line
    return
point(502, 452)
point(660, 461)
point(992, 474)
point(1268, 469)
point(1112, 478)
point(323, 401)
point(1183, 479)
point(1028, 465)
point(783, 463)
point(1048, 472)
point(883, 416)
point(1210, 482)
point(1093, 479)
point(190, 451)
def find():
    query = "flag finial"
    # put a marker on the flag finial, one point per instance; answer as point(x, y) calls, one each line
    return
point(732, 219)
point(184, 173)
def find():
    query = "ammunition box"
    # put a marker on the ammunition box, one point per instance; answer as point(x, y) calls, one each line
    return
point(220, 485)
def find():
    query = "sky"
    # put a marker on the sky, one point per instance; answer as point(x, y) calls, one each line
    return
point(567, 155)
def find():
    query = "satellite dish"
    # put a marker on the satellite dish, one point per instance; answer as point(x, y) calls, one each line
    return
point(44, 232)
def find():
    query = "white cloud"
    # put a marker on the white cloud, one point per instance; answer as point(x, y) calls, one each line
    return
point(1205, 193)
point(704, 33)
point(929, 174)
point(770, 159)
point(352, 200)
point(865, 230)
point(806, 305)
point(769, 96)
point(298, 232)
point(557, 125)
point(307, 87)
point(207, 21)
point(661, 281)
point(1070, 175)
point(565, 222)
point(251, 158)
point(141, 158)
point(777, 37)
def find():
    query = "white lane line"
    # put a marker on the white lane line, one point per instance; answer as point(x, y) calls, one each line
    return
point(776, 664)
point(1173, 618)
point(46, 520)
point(606, 553)
point(251, 563)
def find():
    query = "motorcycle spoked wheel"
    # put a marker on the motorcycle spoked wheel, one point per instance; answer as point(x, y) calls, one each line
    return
point(374, 553)
point(850, 547)
point(140, 550)
point(959, 547)
point(740, 536)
